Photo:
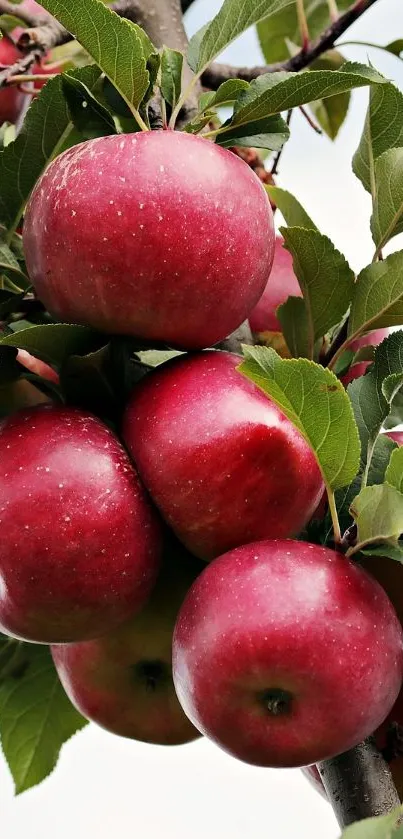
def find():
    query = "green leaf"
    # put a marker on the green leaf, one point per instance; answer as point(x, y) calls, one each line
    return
point(290, 208)
point(379, 827)
point(325, 277)
point(8, 262)
point(276, 32)
point(378, 296)
point(387, 217)
point(171, 75)
point(383, 130)
point(394, 472)
point(233, 18)
point(330, 113)
point(36, 718)
point(46, 130)
point(54, 343)
point(269, 133)
point(295, 328)
point(395, 47)
point(378, 514)
point(383, 449)
point(115, 44)
point(275, 92)
point(228, 91)
point(371, 395)
point(89, 117)
point(316, 402)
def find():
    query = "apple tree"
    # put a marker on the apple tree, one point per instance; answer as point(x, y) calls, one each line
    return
point(201, 492)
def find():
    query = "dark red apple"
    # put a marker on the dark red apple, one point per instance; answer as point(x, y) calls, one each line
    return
point(12, 99)
point(282, 283)
point(123, 681)
point(220, 460)
point(286, 653)
point(175, 245)
point(80, 543)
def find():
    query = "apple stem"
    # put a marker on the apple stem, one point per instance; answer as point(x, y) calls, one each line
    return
point(359, 784)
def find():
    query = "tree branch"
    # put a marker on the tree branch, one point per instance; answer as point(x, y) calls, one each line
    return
point(359, 784)
point(218, 73)
point(31, 18)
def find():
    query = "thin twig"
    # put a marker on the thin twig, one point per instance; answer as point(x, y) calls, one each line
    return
point(276, 161)
point(310, 121)
point(218, 73)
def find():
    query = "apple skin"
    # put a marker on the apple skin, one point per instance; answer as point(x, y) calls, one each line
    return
point(220, 460)
point(295, 626)
point(123, 682)
point(355, 371)
point(282, 283)
point(12, 99)
point(73, 512)
point(397, 436)
point(373, 338)
point(35, 365)
point(164, 250)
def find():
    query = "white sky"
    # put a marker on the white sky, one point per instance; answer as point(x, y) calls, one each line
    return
point(107, 787)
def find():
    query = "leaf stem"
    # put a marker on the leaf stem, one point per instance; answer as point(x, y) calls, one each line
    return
point(333, 10)
point(303, 25)
point(186, 93)
point(335, 518)
point(368, 44)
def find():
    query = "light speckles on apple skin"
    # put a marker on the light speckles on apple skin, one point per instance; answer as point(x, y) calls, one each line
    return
point(172, 242)
point(296, 617)
point(80, 544)
point(220, 460)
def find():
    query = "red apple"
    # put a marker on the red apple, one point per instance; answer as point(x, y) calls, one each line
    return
point(164, 250)
point(12, 99)
point(35, 365)
point(397, 436)
point(221, 461)
point(80, 544)
point(286, 653)
point(282, 283)
point(370, 339)
point(123, 681)
point(355, 371)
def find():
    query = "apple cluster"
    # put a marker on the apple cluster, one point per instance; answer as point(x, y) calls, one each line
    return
point(163, 560)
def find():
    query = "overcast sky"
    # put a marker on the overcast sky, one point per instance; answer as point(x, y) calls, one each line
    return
point(108, 787)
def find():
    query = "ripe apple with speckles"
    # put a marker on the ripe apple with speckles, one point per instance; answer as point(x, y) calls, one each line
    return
point(223, 464)
point(81, 544)
point(175, 246)
point(286, 653)
point(123, 681)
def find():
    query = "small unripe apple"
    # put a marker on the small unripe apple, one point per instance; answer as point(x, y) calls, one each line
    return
point(12, 99)
point(286, 653)
point(282, 283)
point(123, 681)
point(221, 461)
point(80, 543)
point(397, 436)
point(176, 244)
